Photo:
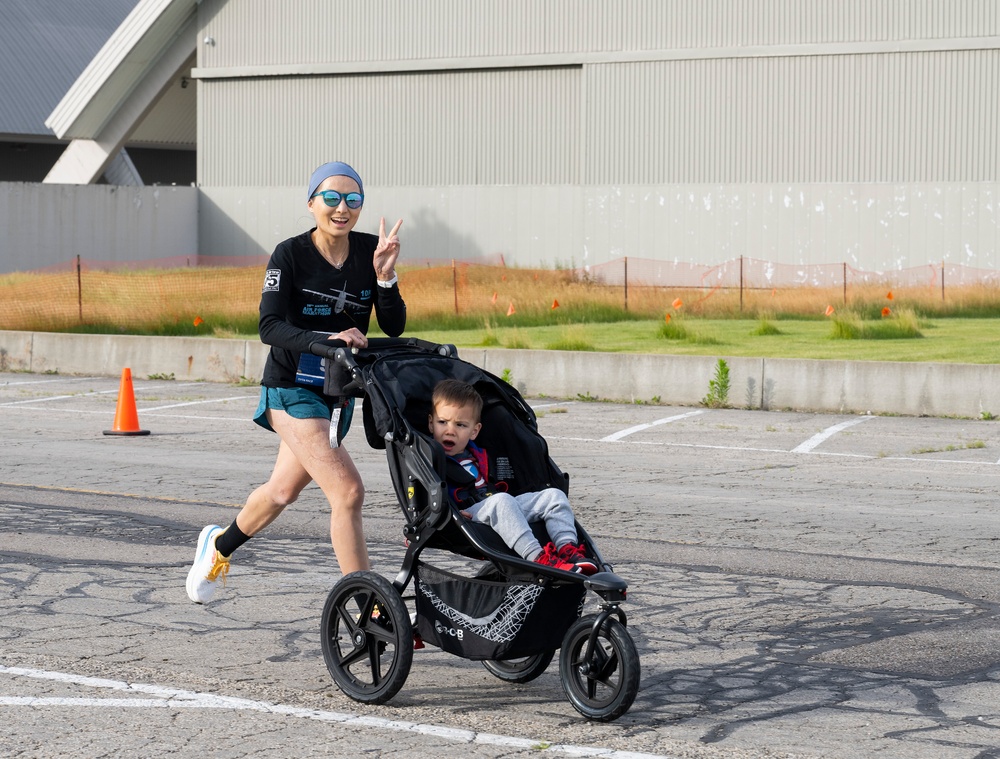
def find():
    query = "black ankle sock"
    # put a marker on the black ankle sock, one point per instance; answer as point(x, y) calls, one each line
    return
point(230, 540)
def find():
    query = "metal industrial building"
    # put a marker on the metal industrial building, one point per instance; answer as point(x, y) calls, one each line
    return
point(578, 132)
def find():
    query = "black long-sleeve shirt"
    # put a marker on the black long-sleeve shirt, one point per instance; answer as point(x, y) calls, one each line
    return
point(305, 299)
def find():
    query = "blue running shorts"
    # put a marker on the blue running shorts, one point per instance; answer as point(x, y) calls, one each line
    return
point(301, 403)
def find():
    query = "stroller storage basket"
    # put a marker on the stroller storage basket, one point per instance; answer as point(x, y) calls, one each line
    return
point(485, 619)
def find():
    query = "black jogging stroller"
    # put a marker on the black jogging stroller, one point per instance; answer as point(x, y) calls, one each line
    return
point(511, 614)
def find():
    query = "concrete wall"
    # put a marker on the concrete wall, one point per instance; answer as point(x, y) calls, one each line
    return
point(187, 358)
point(879, 387)
point(960, 390)
point(875, 228)
point(872, 227)
point(50, 225)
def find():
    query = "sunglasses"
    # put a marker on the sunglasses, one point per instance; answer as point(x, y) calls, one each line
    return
point(332, 198)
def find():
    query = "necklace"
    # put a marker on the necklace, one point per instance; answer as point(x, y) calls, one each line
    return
point(335, 265)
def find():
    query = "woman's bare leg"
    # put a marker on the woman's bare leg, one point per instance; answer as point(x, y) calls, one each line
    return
point(307, 441)
point(268, 501)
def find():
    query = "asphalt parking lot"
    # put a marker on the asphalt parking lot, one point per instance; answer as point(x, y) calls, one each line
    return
point(800, 584)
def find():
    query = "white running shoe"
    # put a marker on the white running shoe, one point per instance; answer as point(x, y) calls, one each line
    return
point(208, 567)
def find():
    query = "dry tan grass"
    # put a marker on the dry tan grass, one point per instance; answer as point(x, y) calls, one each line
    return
point(226, 299)
point(127, 299)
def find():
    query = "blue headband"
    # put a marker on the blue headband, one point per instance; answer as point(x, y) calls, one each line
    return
point(332, 169)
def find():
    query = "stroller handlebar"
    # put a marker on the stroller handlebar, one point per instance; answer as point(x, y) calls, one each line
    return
point(346, 379)
point(327, 348)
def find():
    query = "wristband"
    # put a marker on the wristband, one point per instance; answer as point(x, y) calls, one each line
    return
point(389, 282)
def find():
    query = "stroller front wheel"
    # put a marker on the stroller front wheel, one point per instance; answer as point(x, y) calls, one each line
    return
point(601, 683)
point(521, 670)
point(366, 637)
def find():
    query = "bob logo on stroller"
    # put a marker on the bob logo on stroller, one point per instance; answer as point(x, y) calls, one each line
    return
point(442, 630)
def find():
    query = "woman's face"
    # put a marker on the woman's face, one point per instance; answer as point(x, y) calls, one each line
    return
point(336, 222)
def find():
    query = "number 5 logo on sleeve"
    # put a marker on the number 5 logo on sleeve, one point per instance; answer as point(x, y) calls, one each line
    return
point(272, 279)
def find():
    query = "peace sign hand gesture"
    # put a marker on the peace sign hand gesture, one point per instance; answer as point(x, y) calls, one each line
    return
point(387, 251)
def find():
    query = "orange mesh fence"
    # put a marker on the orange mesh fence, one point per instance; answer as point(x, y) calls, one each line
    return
point(126, 300)
point(212, 300)
point(752, 273)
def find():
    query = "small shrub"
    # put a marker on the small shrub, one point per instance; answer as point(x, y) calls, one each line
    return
point(718, 387)
point(675, 330)
point(705, 340)
point(572, 339)
point(490, 337)
point(765, 327)
point(846, 327)
point(672, 331)
point(517, 342)
point(902, 325)
point(565, 344)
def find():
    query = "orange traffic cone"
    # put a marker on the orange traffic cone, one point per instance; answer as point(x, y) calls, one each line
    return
point(126, 418)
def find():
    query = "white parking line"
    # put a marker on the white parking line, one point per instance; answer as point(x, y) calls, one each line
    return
point(174, 698)
point(86, 395)
point(826, 434)
point(12, 383)
point(201, 403)
point(639, 427)
point(753, 449)
point(57, 398)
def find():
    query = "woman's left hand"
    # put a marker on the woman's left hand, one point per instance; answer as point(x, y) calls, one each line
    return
point(353, 337)
point(387, 251)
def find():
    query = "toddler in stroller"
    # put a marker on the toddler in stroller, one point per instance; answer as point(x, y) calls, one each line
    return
point(514, 613)
point(454, 423)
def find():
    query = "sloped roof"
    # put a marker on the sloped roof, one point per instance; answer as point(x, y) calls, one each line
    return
point(142, 63)
point(44, 46)
point(141, 54)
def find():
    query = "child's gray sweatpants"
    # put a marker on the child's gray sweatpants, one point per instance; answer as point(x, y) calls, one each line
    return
point(509, 516)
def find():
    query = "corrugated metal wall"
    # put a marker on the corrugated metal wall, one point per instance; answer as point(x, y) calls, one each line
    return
point(264, 32)
point(486, 127)
point(639, 103)
point(909, 117)
point(770, 104)
point(913, 117)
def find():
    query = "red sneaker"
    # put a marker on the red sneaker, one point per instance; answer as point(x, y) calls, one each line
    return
point(550, 558)
point(573, 554)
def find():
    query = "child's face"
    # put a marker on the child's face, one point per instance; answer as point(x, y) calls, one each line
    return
point(453, 426)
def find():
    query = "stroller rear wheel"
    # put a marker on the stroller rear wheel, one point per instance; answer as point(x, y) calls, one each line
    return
point(367, 637)
point(601, 684)
point(522, 670)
